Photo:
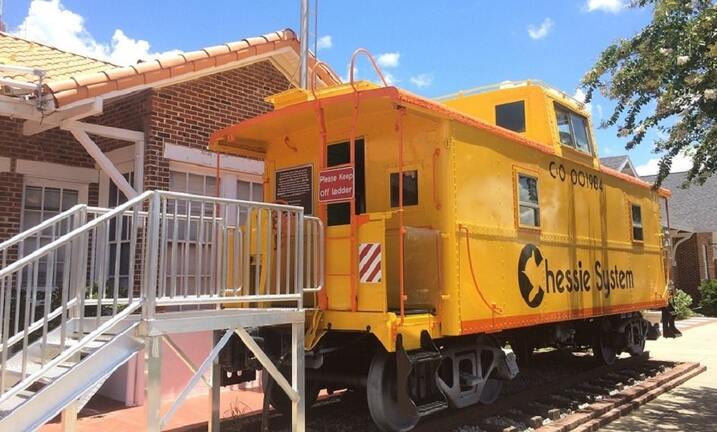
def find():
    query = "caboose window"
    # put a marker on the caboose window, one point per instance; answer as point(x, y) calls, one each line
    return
point(511, 116)
point(410, 188)
point(528, 205)
point(572, 129)
point(637, 232)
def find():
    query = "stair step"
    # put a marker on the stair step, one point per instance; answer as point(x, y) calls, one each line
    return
point(431, 407)
point(16, 401)
point(34, 366)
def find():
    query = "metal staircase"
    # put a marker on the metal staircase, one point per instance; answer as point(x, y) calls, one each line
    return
point(86, 290)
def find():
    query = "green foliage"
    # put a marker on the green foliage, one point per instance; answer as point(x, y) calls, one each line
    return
point(682, 302)
point(708, 303)
point(665, 77)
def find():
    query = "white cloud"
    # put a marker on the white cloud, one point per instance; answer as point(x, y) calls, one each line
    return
point(580, 97)
point(390, 79)
point(51, 23)
point(324, 42)
point(422, 80)
point(611, 6)
point(680, 163)
point(540, 31)
point(388, 60)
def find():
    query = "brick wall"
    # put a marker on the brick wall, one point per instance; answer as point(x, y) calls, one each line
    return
point(54, 145)
point(188, 113)
point(690, 269)
point(130, 112)
point(10, 204)
point(183, 114)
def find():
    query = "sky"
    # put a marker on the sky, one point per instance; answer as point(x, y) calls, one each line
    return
point(432, 48)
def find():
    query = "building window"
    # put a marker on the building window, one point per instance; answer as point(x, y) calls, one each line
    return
point(511, 116)
point(250, 191)
point(410, 188)
point(39, 204)
point(115, 198)
point(528, 203)
point(192, 183)
point(572, 129)
point(637, 231)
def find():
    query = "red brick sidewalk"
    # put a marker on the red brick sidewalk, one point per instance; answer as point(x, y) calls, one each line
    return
point(109, 416)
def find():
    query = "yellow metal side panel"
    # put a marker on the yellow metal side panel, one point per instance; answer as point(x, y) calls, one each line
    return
point(585, 235)
point(338, 279)
point(482, 106)
point(372, 296)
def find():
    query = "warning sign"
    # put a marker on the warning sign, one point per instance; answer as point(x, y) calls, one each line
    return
point(293, 187)
point(336, 184)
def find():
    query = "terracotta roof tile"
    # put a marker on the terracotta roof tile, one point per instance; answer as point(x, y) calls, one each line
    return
point(72, 77)
point(58, 65)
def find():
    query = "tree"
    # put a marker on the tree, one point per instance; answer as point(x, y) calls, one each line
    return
point(665, 78)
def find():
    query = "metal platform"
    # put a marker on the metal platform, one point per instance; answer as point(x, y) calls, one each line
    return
point(120, 281)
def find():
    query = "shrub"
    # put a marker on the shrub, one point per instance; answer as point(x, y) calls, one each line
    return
point(708, 290)
point(682, 302)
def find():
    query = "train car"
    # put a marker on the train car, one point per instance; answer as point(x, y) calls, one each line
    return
point(460, 235)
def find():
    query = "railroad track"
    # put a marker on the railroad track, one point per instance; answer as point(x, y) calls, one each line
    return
point(558, 392)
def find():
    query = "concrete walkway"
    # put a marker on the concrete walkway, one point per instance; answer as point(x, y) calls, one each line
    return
point(692, 406)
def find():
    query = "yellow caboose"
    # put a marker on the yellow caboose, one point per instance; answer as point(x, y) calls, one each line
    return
point(453, 228)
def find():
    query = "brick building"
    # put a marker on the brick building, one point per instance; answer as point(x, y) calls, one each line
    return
point(693, 223)
point(693, 219)
point(80, 130)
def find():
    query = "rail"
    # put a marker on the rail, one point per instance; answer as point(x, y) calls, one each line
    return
point(158, 252)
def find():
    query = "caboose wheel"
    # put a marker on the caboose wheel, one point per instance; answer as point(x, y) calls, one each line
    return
point(381, 395)
point(603, 350)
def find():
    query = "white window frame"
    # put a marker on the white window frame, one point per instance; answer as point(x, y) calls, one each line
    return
point(534, 206)
point(634, 225)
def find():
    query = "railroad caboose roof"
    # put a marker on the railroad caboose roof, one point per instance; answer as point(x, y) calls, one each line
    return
point(296, 109)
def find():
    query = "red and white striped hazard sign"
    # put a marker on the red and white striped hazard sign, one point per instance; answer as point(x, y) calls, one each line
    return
point(370, 262)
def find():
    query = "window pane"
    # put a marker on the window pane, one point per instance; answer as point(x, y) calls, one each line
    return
point(195, 184)
point(177, 181)
point(637, 233)
point(529, 216)
point(52, 199)
point(31, 218)
point(636, 215)
point(33, 198)
point(580, 128)
point(337, 154)
point(338, 214)
point(211, 186)
point(257, 192)
point(528, 187)
point(563, 120)
point(511, 116)
point(243, 190)
point(410, 188)
point(69, 198)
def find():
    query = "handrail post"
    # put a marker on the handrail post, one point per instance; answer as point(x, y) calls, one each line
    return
point(149, 281)
point(78, 277)
point(300, 258)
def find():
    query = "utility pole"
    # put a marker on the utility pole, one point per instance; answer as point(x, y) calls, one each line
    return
point(304, 47)
point(2, 16)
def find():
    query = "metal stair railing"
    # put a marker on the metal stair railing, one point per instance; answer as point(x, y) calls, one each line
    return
point(33, 238)
point(86, 252)
point(158, 252)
